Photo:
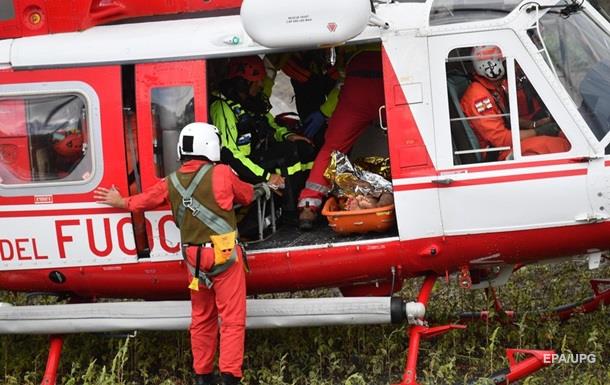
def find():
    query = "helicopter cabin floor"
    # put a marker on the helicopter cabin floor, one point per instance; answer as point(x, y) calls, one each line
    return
point(290, 236)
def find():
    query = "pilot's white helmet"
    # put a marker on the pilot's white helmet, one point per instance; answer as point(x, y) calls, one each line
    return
point(487, 61)
point(199, 139)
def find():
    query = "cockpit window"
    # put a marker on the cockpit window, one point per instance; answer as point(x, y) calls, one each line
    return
point(579, 49)
point(462, 11)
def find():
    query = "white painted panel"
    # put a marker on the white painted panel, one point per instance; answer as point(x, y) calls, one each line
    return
point(177, 39)
point(513, 205)
point(417, 214)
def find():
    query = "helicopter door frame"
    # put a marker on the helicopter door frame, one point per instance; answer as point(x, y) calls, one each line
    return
point(410, 135)
point(165, 75)
point(527, 192)
point(178, 78)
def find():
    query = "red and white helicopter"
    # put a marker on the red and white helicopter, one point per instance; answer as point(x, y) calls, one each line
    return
point(117, 79)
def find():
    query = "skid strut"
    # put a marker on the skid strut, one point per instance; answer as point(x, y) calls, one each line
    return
point(534, 361)
point(416, 332)
point(521, 362)
point(50, 373)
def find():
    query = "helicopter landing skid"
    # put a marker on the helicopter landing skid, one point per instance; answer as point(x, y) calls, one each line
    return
point(521, 362)
point(600, 297)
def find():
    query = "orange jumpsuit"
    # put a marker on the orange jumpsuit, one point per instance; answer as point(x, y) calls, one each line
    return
point(225, 301)
point(486, 100)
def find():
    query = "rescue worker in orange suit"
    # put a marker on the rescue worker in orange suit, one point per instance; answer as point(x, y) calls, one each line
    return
point(359, 101)
point(256, 147)
point(201, 195)
point(486, 100)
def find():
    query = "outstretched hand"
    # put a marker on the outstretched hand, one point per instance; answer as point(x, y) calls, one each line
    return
point(109, 196)
point(313, 123)
point(295, 137)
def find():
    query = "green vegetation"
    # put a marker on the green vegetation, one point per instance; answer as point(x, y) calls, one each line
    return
point(352, 355)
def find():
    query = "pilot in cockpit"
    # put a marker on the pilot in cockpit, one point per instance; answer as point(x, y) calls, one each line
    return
point(485, 103)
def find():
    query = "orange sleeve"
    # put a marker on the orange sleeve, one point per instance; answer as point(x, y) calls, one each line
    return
point(151, 198)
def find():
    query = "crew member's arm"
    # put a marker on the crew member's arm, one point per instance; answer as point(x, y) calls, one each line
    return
point(283, 133)
point(223, 117)
point(152, 197)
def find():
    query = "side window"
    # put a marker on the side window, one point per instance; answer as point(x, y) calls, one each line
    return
point(172, 108)
point(482, 87)
point(578, 49)
point(44, 139)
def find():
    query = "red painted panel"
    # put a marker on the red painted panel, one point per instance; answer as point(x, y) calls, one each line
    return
point(516, 165)
point(14, 146)
point(323, 267)
point(39, 17)
point(409, 156)
point(106, 82)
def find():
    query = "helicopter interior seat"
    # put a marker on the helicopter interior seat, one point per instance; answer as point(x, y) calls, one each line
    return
point(462, 134)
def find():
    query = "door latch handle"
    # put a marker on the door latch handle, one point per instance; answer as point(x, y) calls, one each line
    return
point(444, 182)
point(382, 119)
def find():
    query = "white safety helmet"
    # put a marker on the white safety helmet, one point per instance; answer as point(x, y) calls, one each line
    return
point(199, 139)
point(487, 61)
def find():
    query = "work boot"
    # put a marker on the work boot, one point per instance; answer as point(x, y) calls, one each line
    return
point(307, 217)
point(229, 379)
point(205, 379)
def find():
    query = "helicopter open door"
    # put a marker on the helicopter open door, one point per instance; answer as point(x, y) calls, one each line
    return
point(169, 95)
point(491, 187)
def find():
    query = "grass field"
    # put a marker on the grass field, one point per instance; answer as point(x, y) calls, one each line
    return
point(353, 355)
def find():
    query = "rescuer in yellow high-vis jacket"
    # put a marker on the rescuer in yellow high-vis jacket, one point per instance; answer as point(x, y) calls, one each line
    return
point(257, 148)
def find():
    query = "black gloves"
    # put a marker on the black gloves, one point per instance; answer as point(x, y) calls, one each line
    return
point(548, 129)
